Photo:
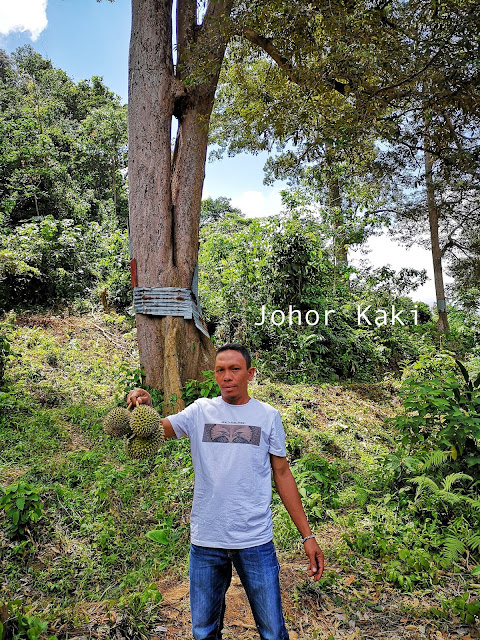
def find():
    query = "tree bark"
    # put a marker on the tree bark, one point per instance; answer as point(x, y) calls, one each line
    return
point(166, 190)
point(335, 201)
point(341, 251)
point(433, 216)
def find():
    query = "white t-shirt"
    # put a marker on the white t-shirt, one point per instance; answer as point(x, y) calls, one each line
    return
point(231, 447)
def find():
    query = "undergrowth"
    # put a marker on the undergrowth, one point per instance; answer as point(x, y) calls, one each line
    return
point(96, 527)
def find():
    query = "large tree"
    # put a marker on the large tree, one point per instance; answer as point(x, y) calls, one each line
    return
point(410, 76)
point(165, 187)
point(62, 188)
point(323, 49)
point(59, 155)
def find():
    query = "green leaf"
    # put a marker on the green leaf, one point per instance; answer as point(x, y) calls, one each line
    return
point(476, 570)
point(476, 382)
point(157, 535)
point(20, 502)
point(463, 370)
point(473, 608)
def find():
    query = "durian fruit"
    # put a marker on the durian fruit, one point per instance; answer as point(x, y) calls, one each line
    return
point(117, 422)
point(144, 421)
point(142, 448)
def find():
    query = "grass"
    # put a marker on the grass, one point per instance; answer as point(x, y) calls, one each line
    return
point(88, 559)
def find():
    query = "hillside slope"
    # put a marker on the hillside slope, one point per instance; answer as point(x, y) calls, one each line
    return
point(86, 567)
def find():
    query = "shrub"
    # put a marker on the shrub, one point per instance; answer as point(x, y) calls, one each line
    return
point(5, 351)
point(23, 507)
point(317, 481)
point(207, 388)
point(442, 411)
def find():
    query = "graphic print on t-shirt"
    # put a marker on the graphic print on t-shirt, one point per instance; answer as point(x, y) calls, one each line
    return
point(232, 434)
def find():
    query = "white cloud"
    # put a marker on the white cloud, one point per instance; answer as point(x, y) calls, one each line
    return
point(385, 251)
point(23, 15)
point(256, 204)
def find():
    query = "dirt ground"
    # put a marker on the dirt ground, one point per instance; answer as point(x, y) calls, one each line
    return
point(365, 612)
point(351, 608)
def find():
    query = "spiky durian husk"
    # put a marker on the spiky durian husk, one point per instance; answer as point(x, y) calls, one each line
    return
point(117, 422)
point(144, 421)
point(142, 448)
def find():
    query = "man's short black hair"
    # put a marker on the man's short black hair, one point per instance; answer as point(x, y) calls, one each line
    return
point(233, 346)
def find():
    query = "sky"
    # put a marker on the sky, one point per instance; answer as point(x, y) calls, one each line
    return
point(87, 38)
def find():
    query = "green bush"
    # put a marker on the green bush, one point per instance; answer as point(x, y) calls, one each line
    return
point(23, 507)
point(58, 259)
point(442, 412)
point(284, 269)
point(19, 625)
point(114, 268)
point(463, 606)
point(317, 481)
point(207, 388)
point(5, 350)
point(434, 472)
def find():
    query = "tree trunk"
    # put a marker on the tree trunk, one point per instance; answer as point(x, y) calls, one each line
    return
point(114, 181)
point(341, 251)
point(165, 191)
point(335, 202)
point(433, 217)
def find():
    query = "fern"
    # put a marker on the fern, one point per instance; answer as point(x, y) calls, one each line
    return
point(451, 479)
point(453, 548)
point(473, 502)
point(434, 458)
point(473, 541)
point(428, 489)
point(450, 498)
point(423, 483)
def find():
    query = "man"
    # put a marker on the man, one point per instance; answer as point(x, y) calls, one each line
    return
point(236, 442)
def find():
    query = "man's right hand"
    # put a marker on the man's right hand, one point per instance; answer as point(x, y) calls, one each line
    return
point(139, 396)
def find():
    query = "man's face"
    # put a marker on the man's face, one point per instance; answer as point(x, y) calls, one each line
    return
point(232, 376)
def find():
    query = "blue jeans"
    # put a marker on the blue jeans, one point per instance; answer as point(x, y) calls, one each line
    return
point(210, 575)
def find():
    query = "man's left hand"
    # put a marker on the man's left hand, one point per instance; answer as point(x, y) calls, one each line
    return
point(315, 555)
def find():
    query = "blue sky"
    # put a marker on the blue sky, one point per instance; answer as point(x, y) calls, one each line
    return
point(87, 38)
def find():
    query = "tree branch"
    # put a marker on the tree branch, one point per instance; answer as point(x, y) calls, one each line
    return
point(410, 78)
point(214, 32)
point(452, 242)
point(186, 25)
point(449, 124)
point(272, 51)
point(284, 63)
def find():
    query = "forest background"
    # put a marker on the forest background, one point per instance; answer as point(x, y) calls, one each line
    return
point(365, 156)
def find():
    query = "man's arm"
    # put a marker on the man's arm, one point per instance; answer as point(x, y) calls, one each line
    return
point(288, 492)
point(140, 396)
